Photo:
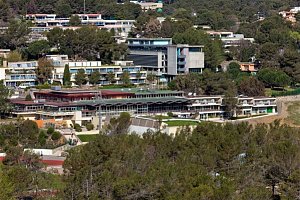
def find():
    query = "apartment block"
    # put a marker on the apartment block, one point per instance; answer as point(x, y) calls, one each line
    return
point(160, 56)
point(24, 73)
point(256, 105)
point(46, 22)
point(17, 73)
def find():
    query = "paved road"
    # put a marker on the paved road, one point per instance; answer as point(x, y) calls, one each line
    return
point(70, 134)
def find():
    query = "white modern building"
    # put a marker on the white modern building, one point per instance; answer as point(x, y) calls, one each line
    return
point(206, 106)
point(17, 73)
point(213, 106)
point(23, 73)
point(149, 5)
point(256, 105)
point(162, 57)
point(229, 39)
point(46, 22)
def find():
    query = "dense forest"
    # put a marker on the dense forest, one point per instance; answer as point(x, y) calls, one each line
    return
point(212, 162)
point(217, 13)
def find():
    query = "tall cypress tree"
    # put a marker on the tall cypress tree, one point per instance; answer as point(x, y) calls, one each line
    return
point(67, 76)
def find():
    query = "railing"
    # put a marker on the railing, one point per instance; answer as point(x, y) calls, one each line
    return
point(181, 62)
point(55, 113)
point(264, 104)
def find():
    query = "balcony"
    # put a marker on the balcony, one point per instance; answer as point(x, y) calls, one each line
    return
point(180, 69)
point(55, 113)
point(205, 103)
point(264, 104)
point(181, 62)
point(181, 56)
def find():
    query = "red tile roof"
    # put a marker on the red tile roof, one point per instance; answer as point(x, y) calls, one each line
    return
point(53, 162)
point(50, 162)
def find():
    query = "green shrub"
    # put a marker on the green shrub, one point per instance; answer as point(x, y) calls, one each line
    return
point(50, 130)
point(55, 135)
point(44, 86)
point(42, 138)
point(77, 128)
point(89, 126)
point(170, 114)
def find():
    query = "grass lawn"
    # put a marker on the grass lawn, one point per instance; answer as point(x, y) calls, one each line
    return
point(161, 117)
point(87, 138)
point(181, 123)
point(294, 113)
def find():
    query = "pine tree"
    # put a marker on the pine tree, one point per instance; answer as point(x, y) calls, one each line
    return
point(125, 78)
point(80, 78)
point(67, 76)
point(94, 77)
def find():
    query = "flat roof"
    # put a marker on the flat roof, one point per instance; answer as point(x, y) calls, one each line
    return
point(145, 91)
point(149, 38)
point(186, 45)
point(84, 92)
point(133, 101)
point(24, 102)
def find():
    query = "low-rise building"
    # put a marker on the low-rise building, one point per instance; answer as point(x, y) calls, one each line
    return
point(206, 106)
point(256, 105)
point(150, 5)
point(291, 14)
point(81, 106)
point(249, 67)
point(46, 22)
point(24, 73)
point(229, 39)
point(16, 73)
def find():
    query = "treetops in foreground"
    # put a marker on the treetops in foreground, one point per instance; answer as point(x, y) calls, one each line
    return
point(212, 162)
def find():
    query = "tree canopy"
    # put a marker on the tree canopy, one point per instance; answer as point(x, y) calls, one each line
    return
point(80, 77)
point(87, 42)
point(212, 162)
point(44, 70)
point(5, 105)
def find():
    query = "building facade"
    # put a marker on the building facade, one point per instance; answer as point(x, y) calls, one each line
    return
point(157, 6)
point(83, 106)
point(46, 22)
point(160, 56)
point(17, 73)
point(24, 73)
point(229, 39)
